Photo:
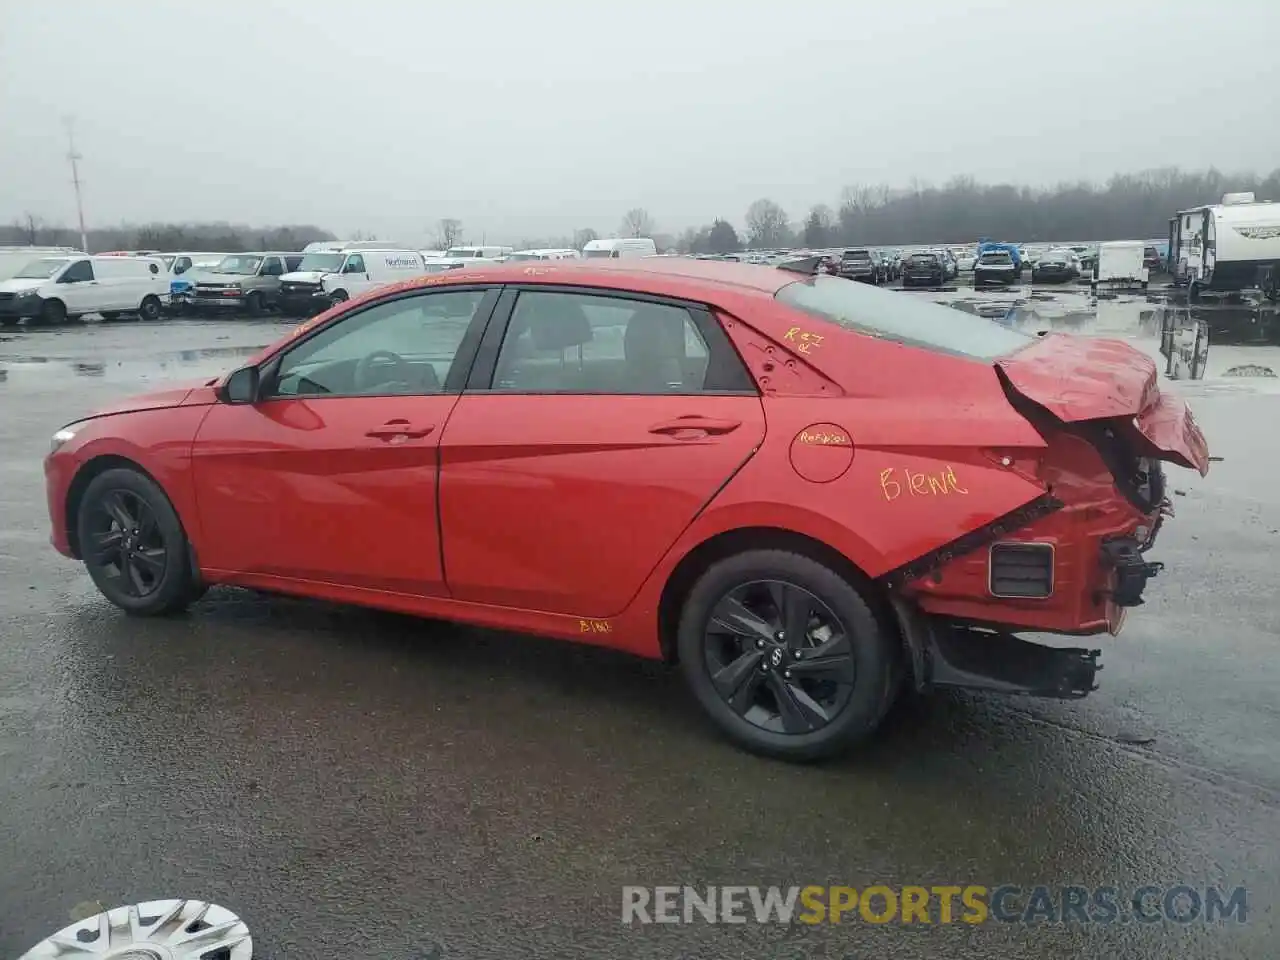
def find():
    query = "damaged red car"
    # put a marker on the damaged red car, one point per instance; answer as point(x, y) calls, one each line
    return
point(808, 492)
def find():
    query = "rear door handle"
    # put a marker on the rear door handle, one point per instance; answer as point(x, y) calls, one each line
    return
point(398, 428)
point(691, 425)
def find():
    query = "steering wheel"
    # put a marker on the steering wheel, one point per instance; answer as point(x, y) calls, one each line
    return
point(368, 376)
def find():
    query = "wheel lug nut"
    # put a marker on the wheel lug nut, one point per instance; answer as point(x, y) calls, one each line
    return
point(786, 674)
point(781, 635)
point(759, 644)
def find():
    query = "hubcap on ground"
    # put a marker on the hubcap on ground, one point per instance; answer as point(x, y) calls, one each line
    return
point(125, 543)
point(155, 930)
point(779, 657)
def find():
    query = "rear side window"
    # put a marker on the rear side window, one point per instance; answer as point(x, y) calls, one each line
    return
point(586, 343)
point(900, 318)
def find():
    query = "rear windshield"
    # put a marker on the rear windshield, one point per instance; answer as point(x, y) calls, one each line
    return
point(924, 258)
point(857, 255)
point(901, 318)
point(996, 258)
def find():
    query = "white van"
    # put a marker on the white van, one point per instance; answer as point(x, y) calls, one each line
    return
point(1120, 264)
point(618, 248)
point(544, 255)
point(52, 288)
point(328, 277)
point(492, 254)
point(13, 259)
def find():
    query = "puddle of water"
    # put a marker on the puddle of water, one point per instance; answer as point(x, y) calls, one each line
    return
point(180, 364)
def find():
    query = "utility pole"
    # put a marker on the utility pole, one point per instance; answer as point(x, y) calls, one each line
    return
point(75, 158)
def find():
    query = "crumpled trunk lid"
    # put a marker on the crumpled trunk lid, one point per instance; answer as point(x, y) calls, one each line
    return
point(1079, 379)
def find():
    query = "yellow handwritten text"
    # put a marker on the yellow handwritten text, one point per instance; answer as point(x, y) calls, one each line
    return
point(595, 626)
point(803, 340)
point(822, 438)
point(943, 483)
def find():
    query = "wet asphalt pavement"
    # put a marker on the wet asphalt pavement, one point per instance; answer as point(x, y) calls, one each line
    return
point(362, 785)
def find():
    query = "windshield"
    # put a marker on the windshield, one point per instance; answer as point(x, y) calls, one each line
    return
point(322, 262)
point(461, 252)
point(238, 265)
point(41, 269)
point(901, 318)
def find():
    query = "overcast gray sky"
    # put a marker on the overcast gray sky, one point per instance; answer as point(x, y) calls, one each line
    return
point(534, 117)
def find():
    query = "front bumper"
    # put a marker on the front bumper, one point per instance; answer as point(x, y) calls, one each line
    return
point(993, 276)
point(303, 301)
point(19, 308)
point(203, 301)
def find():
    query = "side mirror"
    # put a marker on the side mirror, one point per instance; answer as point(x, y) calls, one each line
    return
point(240, 387)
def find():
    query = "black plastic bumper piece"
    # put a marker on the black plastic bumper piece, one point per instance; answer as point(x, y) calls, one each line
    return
point(1004, 663)
point(1124, 555)
point(943, 654)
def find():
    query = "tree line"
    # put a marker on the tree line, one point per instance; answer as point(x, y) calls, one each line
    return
point(1134, 206)
point(166, 237)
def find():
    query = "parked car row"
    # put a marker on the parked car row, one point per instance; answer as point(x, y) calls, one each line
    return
point(52, 284)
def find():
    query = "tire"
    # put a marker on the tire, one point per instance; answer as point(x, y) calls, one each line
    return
point(134, 546)
point(150, 308)
point(906, 283)
point(337, 297)
point(253, 303)
point(850, 702)
point(53, 312)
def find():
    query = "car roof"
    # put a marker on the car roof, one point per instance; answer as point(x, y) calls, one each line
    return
point(698, 280)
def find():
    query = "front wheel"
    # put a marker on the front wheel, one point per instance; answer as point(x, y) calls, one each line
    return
point(253, 303)
point(150, 308)
point(337, 297)
point(53, 312)
point(133, 544)
point(785, 655)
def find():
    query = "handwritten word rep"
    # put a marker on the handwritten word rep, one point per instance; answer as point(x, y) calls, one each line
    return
point(803, 340)
point(941, 484)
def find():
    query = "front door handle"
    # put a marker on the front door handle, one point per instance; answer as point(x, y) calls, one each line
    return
point(691, 425)
point(398, 428)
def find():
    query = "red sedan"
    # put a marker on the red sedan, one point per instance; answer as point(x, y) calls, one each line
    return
point(809, 492)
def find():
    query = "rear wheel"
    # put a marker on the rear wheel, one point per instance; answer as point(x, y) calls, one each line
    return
point(133, 544)
point(785, 655)
point(150, 308)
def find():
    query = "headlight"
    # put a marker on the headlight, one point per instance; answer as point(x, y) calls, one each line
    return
point(63, 435)
point(24, 294)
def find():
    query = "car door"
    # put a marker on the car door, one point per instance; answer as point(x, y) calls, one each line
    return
point(330, 476)
point(594, 429)
point(78, 288)
point(355, 274)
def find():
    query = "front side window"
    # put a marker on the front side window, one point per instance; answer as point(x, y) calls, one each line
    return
point(355, 264)
point(272, 267)
point(78, 272)
point(586, 343)
point(401, 347)
point(892, 316)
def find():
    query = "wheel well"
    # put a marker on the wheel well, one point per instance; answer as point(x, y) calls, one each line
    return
point(80, 482)
point(723, 545)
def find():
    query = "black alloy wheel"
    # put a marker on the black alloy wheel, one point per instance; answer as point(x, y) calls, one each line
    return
point(785, 655)
point(133, 544)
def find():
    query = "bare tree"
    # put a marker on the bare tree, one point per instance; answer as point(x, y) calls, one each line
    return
point(584, 236)
point(767, 224)
point(448, 233)
point(30, 227)
point(637, 223)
